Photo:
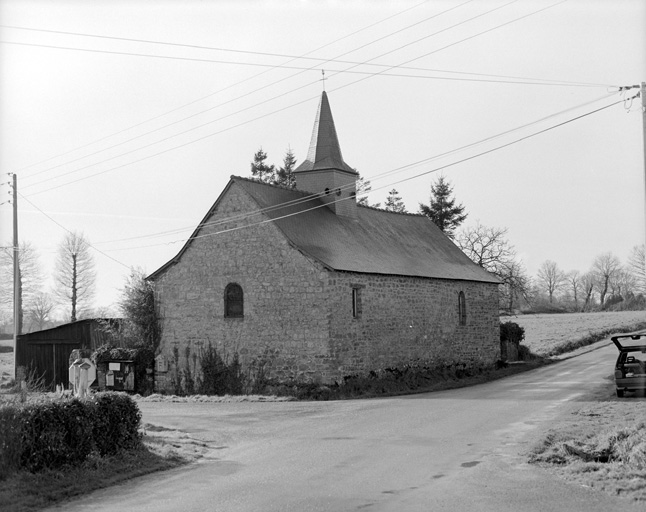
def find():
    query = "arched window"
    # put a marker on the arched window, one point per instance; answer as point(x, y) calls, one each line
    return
point(462, 309)
point(233, 301)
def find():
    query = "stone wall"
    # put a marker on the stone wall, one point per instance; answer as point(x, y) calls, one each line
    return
point(285, 314)
point(408, 320)
point(298, 316)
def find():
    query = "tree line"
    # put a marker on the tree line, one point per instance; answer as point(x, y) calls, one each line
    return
point(608, 284)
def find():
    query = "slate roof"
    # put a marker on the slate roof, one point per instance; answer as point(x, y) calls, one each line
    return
point(324, 151)
point(377, 242)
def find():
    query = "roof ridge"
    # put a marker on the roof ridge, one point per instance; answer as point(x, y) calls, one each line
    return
point(376, 208)
point(274, 185)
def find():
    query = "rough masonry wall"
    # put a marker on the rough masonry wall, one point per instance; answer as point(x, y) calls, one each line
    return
point(298, 316)
point(408, 320)
point(285, 312)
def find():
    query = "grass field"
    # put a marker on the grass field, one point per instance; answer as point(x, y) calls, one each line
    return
point(544, 333)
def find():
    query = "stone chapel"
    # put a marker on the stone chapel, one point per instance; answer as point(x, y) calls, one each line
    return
point(321, 286)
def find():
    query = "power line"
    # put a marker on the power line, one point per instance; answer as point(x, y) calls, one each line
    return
point(224, 117)
point(279, 110)
point(65, 229)
point(349, 70)
point(201, 47)
point(193, 46)
point(503, 78)
point(379, 176)
point(228, 87)
point(225, 103)
point(462, 40)
point(422, 173)
point(310, 197)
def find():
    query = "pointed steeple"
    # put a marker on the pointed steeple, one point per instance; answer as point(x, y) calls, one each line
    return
point(324, 151)
point(324, 171)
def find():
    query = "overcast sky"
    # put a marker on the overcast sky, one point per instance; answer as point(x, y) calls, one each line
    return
point(133, 149)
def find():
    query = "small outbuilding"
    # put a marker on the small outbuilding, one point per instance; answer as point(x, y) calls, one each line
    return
point(46, 354)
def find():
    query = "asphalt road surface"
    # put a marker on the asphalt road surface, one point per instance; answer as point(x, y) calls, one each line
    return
point(446, 451)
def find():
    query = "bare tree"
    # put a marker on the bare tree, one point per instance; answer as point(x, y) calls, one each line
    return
point(75, 275)
point(39, 312)
point(605, 268)
point(486, 246)
point(587, 287)
point(637, 266)
point(573, 280)
point(489, 248)
point(516, 284)
point(551, 277)
point(623, 283)
point(31, 279)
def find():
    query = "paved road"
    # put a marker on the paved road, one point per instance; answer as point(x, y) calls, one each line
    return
point(453, 450)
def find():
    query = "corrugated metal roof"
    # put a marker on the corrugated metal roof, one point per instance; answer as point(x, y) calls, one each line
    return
point(377, 242)
point(324, 151)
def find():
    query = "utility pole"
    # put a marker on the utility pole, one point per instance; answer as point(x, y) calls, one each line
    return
point(643, 96)
point(17, 294)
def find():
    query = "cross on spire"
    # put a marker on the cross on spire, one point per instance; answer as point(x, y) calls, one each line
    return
point(323, 79)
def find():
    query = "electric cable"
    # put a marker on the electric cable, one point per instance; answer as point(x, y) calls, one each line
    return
point(377, 177)
point(452, 164)
point(462, 40)
point(216, 106)
point(65, 229)
point(275, 97)
point(225, 88)
point(341, 87)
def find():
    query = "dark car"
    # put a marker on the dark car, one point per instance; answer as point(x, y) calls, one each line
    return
point(630, 369)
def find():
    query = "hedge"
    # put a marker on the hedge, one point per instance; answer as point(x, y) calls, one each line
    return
point(52, 434)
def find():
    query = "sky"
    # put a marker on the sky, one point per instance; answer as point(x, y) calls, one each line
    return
point(124, 120)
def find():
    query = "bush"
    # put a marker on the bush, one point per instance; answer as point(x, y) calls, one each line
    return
point(116, 423)
point(218, 375)
point(511, 331)
point(10, 445)
point(52, 434)
point(630, 303)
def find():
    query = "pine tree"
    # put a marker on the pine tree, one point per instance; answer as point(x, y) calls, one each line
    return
point(394, 202)
point(260, 170)
point(284, 175)
point(442, 209)
point(363, 189)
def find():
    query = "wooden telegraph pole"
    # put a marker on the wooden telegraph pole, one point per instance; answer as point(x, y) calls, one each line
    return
point(643, 96)
point(17, 295)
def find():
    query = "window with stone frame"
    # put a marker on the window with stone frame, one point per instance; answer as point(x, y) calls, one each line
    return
point(462, 309)
point(233, 301)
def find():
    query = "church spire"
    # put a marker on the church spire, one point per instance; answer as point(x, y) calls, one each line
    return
point(324, 151)
point(324, 171)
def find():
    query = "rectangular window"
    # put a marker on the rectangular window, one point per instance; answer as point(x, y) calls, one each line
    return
point(462, 309)
point(356, 302)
